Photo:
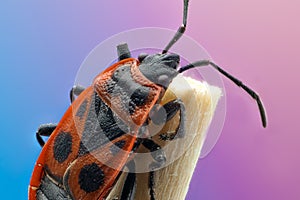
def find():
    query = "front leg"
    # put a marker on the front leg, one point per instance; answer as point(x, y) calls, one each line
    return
point(168, 111)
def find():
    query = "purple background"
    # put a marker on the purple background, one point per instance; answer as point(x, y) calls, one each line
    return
point(42, 45)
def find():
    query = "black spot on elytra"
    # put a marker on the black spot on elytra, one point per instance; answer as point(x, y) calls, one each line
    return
point(81, 110)
point(62, 146)
point(91, 177)
point(117, 147)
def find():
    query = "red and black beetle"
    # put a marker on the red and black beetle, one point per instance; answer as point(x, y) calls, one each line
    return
point(108, 121)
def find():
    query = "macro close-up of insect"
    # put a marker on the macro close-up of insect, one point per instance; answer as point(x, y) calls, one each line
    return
point(108, 121)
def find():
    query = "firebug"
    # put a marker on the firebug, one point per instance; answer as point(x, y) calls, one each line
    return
point(107, 122)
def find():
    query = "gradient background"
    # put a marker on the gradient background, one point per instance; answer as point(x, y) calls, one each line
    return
point(43, 43)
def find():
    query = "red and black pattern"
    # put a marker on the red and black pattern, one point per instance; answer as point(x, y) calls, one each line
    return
point(102, 126)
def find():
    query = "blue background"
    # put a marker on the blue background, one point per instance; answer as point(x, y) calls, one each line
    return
point(43, 43)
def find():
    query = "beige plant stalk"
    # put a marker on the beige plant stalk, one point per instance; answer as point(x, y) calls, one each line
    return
point(172, 182)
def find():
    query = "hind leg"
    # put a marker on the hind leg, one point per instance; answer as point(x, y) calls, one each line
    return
point(129, 187)
point(159, 157)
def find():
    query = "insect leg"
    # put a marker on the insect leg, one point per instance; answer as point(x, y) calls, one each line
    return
point(157, 153)
point(160, 159)
point(151, 185)
point(44, 130)
point(129, 187)
point(76, 90)
point(123, 51)
point(171, 108)
point(239, 83)
point(180, 30)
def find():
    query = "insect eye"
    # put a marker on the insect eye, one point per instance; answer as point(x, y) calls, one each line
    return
point(163, 80)
point(142, 56)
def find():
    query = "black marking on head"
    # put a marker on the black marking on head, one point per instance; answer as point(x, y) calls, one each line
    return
point(82, 108)
point(91, 177)
point(116, 147)
point(62, 146)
